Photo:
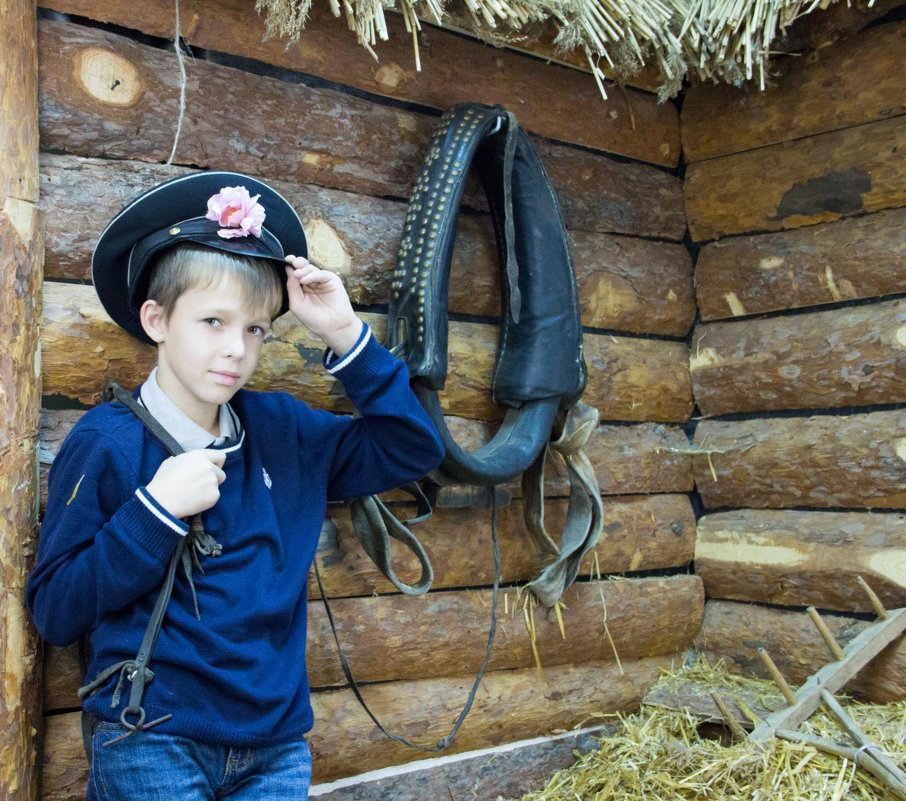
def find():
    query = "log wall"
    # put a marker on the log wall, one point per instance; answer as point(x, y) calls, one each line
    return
point(762, 372)
point(796, 200)
point(21, 256)
point(343, 138)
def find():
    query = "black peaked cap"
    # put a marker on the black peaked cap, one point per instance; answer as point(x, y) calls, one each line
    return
point(174, 212)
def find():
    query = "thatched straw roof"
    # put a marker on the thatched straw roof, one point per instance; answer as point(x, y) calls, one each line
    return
point(721, 40)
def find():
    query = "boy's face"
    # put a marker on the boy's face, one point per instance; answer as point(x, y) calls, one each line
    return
point(208, 346)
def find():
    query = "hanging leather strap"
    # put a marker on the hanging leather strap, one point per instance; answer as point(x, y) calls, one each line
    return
point(443, 742)
point(585, 512)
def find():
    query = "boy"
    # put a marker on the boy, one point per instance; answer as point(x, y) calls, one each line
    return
point(226, 709)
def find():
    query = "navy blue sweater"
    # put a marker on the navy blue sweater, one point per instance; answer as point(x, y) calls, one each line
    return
point(236, 677)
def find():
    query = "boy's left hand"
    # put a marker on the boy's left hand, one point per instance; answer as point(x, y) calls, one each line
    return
point(318, 299)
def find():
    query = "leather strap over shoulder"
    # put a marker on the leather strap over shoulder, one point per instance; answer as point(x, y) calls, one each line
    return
point(186, 553)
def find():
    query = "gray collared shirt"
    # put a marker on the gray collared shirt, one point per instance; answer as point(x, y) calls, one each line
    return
point(184, 430)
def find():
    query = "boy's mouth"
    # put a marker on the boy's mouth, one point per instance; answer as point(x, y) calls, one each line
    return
point(225, 377)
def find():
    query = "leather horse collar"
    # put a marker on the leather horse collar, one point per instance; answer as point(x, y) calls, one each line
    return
point(540, 367)
point(540, 372)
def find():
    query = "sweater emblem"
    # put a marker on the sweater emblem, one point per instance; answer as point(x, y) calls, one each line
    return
point(267, 478)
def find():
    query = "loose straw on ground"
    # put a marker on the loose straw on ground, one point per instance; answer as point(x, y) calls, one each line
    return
point(662, 755)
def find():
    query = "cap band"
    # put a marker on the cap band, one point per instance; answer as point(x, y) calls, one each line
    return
point(200, 231)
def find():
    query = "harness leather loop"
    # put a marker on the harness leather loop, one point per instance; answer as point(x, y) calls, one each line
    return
point(445, 741)
point(375, 524)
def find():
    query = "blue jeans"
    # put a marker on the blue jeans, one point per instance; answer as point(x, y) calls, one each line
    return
point(149, 766)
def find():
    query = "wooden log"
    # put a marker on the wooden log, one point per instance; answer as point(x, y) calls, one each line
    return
point(856, 461)
point(734, 631)
point(21, 254)
point(822, 360)
point(510, 772)
point(354, 235)
point(788, 185)
point(107, 96)
point(793, 558)
point(410, 638)
point(596, 194)
point(859, 257)
point(511, 705)
point(444, 634)
point(624, 283)
point(20, 398)
point(563, 104)
point(837, 21)
point(82, 349)
point(633, 285)
point(631, 459)
point(610, 196)
point(849, 83)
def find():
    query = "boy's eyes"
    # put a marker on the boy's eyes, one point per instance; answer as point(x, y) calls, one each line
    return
point(255, 330)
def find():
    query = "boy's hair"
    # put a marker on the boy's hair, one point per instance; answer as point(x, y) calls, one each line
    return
point(180, 268)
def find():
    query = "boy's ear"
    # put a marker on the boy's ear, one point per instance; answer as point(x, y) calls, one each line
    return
point(153, 319)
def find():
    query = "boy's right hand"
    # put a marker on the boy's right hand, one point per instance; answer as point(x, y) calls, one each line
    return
point(189, 483)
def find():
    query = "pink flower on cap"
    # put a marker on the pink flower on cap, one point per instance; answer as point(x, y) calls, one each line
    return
point(234, 208)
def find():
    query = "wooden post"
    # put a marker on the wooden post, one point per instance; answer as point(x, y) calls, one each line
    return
point(21, 258)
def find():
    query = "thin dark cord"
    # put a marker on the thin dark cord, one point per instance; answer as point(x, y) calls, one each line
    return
point(443, 742)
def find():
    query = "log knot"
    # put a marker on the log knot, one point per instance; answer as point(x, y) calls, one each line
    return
point(108, 77)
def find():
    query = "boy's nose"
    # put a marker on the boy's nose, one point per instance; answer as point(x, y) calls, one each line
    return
point(234, 345)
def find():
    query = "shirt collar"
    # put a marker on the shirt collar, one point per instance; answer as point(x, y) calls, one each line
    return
point(180, 426)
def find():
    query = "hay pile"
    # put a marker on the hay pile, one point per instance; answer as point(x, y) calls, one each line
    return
point(660, 755)
point(720, 40)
